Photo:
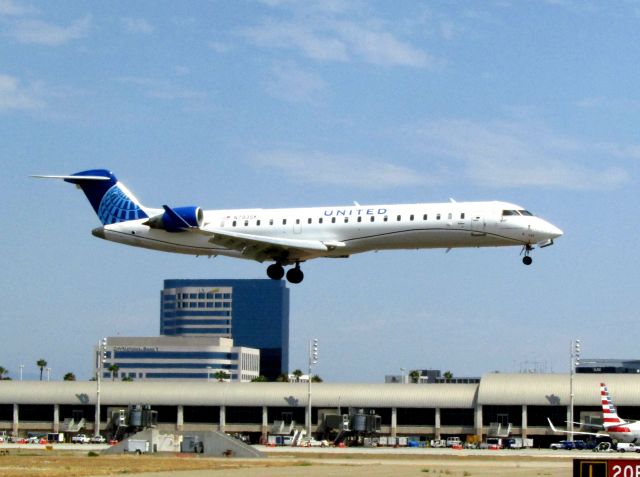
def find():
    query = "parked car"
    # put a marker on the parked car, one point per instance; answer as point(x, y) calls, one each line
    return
point(566, 445)
point(80, 439)
point(98, 439)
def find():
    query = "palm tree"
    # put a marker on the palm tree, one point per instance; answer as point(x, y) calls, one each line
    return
point(259, 379)
point(113, 369)
point(69, 377)
point(221, 376)
point(447, 375)
point(3, 372)
point(414, 376)
point(41, 363)
point(316, 379)
point(298, 374)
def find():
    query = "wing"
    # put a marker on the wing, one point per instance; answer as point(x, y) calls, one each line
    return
point(261, 248)
point(576, 432)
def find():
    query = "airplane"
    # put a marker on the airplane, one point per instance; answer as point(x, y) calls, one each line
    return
point(621, 430)
point(292, 236)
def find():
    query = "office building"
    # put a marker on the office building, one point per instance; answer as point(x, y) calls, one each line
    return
point(178, 358)
point(254, 313)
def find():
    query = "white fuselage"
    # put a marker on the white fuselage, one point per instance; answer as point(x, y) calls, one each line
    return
point(355, 228)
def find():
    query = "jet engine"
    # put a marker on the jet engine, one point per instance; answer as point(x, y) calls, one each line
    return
point(178, 219)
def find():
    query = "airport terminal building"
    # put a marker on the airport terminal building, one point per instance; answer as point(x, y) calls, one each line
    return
point(499, 405)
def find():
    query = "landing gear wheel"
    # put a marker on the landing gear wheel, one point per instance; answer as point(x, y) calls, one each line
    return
point(275, 271)
point(527, 260)
point(295, 275)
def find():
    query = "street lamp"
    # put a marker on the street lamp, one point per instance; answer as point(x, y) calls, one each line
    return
point(21, 368)
point(402, 375)
point(313, 359)
point(574, 354)
point(102, 356)
point(48, 374)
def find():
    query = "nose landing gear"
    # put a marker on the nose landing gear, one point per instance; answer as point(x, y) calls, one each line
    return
point(527, 260)
point(275, 271)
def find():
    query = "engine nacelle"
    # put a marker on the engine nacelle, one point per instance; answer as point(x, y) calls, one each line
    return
point(178, 219)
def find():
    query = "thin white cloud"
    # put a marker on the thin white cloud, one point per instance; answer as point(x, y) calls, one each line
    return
point(295, 85)
point(219, 47)
point(11, 8)
point(337, 40)
point(43, 33)
point(14, 96)
point(339, 170)
point(137, 25)
point(516, 154)
point(162, 89)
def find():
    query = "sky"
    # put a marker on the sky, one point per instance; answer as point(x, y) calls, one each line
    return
point(279, 103)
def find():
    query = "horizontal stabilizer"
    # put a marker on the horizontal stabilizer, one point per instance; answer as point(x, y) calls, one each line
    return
point(74, 178)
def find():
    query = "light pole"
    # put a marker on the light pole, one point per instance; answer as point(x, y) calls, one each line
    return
point(21, 368)
point(574, 353)
point(402, 375)
point(48, 374)
point(313, 359)
point(208, 373)
point(102, 355)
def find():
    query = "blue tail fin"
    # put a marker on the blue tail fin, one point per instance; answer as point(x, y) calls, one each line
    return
point(111, 200)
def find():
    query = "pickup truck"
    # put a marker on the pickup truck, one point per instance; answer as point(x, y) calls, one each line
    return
point(627, 447)
point(80, 439)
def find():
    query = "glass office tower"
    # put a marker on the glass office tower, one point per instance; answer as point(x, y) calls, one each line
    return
point(254, 313)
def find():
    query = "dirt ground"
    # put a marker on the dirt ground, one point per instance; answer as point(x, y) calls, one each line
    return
point(76, 465)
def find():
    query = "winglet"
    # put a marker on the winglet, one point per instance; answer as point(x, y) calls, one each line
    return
point(552, 426)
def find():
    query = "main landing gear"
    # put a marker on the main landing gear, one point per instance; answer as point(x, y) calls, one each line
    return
point(527, 260)
point(275, 271)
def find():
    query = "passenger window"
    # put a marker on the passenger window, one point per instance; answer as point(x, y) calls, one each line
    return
point(385, 218)
point(373, 218)
point(399, 218)
point(333, 220)
point(246, 222)
point(346, 220)
point(424, 217)
point(450, 216)
point(258, 223)
point(320, 220)
point(359, 219)
point(462, 215)
point(411, 217)
point(284, 221)
point(308, 221)
point(438, 217)
point(297, 221)
point(234, 223)
point(270, 221)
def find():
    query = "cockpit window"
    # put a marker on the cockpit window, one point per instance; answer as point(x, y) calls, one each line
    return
point(509, 212)
point(525, 212)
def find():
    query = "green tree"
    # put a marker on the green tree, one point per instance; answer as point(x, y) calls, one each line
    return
point(41, 363)
point(127, 379)
point(282, 378)
point(69, 377)
point(113, 369)
point(316, 379)
point(3, 373)
point(221, 376)
point(298, 374)
point(447, 375)
point(414, 376)
point(259, 379)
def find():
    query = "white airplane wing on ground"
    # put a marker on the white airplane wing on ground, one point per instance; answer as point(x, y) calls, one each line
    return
point(553, 428)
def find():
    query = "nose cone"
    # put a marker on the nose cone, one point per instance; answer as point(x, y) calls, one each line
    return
point(550, 230)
